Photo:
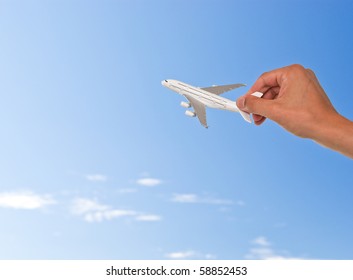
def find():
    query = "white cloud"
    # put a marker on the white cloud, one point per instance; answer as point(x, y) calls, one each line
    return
point(24, 200)
point(194, 198)
point(264, 251)
point(262, 241)
point(96, 177)
point(148, 218)
point(210, 256)
point(127, 190)
point(185, 198)
point(217, 201)
point(149, 182)
point(92, 211)
point(181, 255)
point(189, 254)
point(99, 216)
point(82, 206)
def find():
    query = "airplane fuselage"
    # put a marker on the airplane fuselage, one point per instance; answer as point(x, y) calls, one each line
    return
point(200, 98)
point(207, 98)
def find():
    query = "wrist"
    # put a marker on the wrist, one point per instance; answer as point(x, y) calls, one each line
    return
point(336, 133)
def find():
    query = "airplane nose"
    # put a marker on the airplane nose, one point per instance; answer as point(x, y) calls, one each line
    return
point(164, 82)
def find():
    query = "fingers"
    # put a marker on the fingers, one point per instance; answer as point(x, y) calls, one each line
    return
point(271, 84)
point(268, 80)
point(257, 106)
point(258, 119)
point(272, 93)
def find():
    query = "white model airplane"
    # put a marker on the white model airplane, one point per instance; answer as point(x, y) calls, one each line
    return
point(199, 98)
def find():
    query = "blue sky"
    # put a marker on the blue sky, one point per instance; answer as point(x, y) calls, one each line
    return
point(98, 160)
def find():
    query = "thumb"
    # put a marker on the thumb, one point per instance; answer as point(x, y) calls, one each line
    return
point(256, 105)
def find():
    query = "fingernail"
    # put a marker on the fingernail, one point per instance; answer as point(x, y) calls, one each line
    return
point(241, 102)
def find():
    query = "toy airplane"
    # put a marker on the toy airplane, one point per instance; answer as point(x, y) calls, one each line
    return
point(199, 98)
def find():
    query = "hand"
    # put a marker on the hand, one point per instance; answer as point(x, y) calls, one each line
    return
point(295, 100)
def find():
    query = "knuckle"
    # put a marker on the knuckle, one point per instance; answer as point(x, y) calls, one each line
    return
point(311, 73)
point(297, 68)
point(263, 75)
point(309, 70)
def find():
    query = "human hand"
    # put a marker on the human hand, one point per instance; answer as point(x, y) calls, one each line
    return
point(293, 98)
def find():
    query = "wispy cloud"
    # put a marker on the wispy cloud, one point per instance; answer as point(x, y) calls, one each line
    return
point(148, 218)
point(92, 211)
point(261, 240)
point(181, 255)
point(149, 182)
point(24, 200)
point(96, 177)
point(264, 251)
point(189, 254)
point(126, 190)
point(185, 198)
point(194, 198)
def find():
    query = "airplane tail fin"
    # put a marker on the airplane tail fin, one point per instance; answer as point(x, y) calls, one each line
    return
point(246, 115)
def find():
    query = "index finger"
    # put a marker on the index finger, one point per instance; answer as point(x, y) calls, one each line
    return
point(267, 80)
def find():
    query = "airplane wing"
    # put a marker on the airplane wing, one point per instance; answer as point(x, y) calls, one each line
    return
point(199, 108)
point(222, 89)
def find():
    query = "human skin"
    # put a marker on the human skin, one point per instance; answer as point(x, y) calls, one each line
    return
point(294, 98)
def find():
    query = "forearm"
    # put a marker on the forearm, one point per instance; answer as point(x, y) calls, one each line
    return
point(337, 134)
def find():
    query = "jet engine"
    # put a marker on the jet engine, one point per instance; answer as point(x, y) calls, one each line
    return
point(185, 104)
point(190, 114)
